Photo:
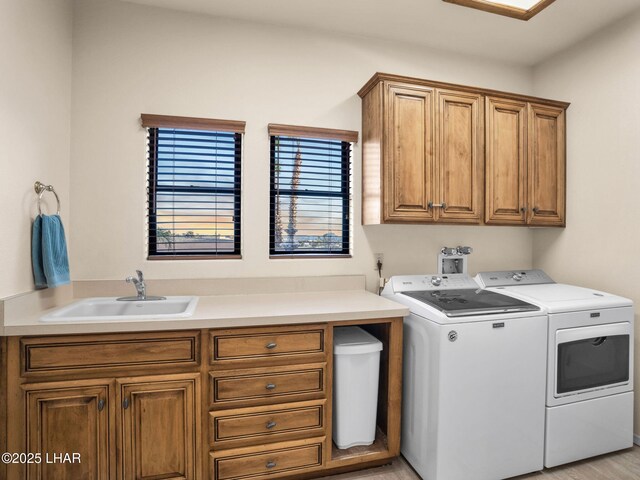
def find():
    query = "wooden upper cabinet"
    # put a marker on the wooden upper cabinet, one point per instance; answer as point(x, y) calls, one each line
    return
point(506, 162)
point(408, 161)
point(159, 427)
point(525, 163)
point(547, 165)
point(459, 149)
point(445, 153)
point(69, 417)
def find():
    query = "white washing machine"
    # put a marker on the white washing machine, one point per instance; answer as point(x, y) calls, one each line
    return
point(474, 379)
point(589, 399)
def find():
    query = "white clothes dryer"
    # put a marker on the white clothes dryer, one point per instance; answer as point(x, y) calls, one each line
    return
point(589, 397)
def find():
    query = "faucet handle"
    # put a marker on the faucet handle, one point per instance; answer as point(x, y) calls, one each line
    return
point(140, 275)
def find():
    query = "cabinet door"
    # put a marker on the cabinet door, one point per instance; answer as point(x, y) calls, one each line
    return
point(408, 160)
point(459, 147)
point(505, 164)
point(69, 418)
point(546, 165)
point(159, 421)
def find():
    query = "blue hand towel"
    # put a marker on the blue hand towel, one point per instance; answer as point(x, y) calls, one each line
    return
point(55, 260)
point(36, 253)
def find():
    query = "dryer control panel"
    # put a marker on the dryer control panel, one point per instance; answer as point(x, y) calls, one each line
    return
point(511, 278)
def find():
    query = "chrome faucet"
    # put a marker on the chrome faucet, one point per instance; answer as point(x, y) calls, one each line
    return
point(141, 287)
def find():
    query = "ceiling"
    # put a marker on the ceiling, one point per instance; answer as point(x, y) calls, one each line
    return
point(432, 23)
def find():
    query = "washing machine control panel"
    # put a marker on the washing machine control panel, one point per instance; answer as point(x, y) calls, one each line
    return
point(414, 283)
point(510, 278)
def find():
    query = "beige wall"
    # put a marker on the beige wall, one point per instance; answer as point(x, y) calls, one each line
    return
point(599, 247)
point(35, 104)
point(130, 59)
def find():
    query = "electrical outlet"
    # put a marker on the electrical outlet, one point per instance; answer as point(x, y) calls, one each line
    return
point(379, 257)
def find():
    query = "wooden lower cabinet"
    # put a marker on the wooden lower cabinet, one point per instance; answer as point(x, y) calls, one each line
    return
point(158, 425)
point(252, 403)
point(153, 420)
point(69, 418)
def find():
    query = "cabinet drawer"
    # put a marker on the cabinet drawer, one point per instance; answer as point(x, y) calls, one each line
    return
point(73, 353)
point(268, 345)
point(267, 385)
point(259, 425)
point(278, 460)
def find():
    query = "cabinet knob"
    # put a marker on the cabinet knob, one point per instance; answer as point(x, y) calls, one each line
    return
point(271, 345)
point(523, 209)
point(270, 386)
point(271, 424)
point(536, 209)
point(100, 404)
point(125, 403)
point(271, 464)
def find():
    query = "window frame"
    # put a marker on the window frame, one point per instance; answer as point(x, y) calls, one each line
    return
point(347, 139)
point(153, 123)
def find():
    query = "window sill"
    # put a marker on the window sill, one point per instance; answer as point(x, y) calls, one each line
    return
point(194, 257)
point(301, 256)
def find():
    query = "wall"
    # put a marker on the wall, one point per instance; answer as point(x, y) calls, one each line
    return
point(35, 116)
point(131, 59)
point(599, 246)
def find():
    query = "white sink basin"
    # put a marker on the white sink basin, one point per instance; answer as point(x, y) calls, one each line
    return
point(103, 309)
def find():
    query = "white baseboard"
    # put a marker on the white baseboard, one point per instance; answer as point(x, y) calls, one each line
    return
point(636, 439)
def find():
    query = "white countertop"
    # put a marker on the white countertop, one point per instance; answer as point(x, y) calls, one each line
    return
point(225, 311)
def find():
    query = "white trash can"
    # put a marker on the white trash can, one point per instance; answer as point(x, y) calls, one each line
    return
point(356, 366)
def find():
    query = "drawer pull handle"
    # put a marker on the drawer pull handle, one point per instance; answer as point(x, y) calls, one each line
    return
point(271, 346)
point(271, 424)
point(271, 464)
point(101, 404)
point(270, 386)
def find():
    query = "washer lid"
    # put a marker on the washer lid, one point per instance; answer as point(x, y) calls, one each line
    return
point(470, 301)
point(559, 297)
point(354, 341)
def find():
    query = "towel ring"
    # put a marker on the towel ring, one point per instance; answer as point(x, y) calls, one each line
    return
point(40, 188)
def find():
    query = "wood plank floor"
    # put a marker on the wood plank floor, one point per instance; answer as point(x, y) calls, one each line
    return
point(623, 465)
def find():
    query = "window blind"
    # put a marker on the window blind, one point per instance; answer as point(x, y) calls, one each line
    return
point(310, 196)
point(193, 193)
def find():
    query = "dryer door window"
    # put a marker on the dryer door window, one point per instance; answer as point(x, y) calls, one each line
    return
point(591, 363)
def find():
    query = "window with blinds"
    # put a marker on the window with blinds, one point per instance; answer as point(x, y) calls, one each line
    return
point(310, 196)
point(193, 189)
